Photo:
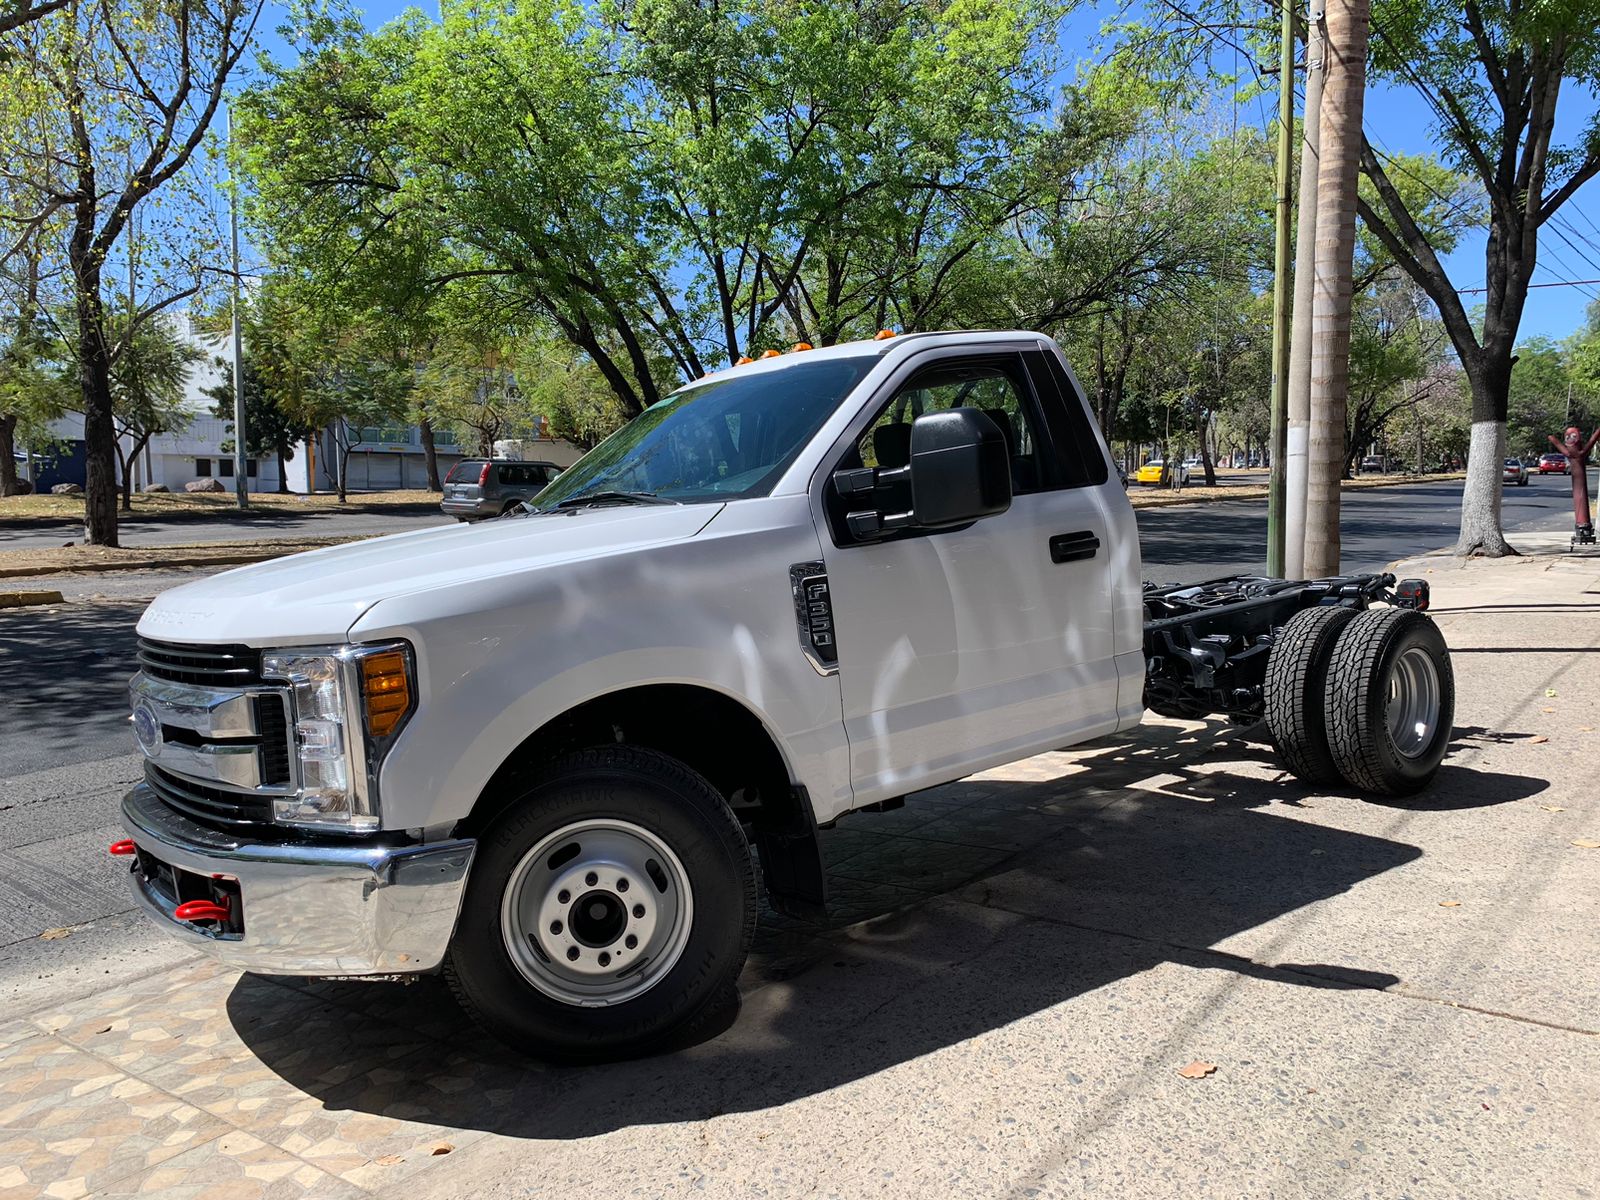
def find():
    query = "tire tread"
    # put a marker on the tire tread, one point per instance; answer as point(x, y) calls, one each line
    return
point(1296, 691)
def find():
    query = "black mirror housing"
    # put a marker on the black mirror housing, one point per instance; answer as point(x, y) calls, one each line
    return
point(960, 468)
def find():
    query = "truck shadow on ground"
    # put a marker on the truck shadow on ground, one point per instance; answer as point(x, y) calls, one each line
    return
point(976, 905)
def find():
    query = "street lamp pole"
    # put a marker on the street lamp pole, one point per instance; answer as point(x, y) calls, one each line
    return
point(241, 483)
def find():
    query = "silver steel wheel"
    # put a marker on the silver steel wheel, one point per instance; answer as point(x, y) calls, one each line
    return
point(1413, 702)
point(597, 913)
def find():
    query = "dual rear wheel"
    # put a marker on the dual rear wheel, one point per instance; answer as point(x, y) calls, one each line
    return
point(1366, 698)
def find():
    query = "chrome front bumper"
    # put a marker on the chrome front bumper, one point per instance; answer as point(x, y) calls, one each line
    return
point(308, 908)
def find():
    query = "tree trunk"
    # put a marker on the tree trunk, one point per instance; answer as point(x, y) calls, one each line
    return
point(8, 455)
point(99, 434)
point(1481, 534)
point(283, 468)
point(1339, 157)
point(125, 466)
point(430, 454)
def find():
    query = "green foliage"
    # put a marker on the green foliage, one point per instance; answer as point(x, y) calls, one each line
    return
point(658, 182)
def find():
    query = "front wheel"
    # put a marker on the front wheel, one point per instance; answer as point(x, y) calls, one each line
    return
point(610, 908)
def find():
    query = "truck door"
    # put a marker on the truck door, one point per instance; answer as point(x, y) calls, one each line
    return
point(971, 647)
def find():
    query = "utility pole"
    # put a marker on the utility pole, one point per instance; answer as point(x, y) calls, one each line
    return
point(1280, 295)
point(1299, 432)
point(241, 482)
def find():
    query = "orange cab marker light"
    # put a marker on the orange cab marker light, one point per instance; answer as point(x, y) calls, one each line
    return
point(771, 353)
point(200, 910)
point(121, 849)
point(802, 346)
point(882, 334)
point(386, 691)
point(742, 359)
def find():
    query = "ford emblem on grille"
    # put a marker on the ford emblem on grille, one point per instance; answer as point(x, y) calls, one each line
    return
point(147, 728)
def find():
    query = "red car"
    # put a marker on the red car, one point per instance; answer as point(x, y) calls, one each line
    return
point(1554, 464)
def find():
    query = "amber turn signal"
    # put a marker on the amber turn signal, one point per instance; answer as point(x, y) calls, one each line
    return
point(385, 691)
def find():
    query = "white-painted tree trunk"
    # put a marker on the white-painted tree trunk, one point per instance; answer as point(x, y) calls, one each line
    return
point(1298, 434)
point(1480, 498)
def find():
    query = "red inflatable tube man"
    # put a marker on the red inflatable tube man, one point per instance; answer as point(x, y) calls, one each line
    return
point(1577, 451)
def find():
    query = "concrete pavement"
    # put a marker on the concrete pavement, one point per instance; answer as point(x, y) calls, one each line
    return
point(1399, 998)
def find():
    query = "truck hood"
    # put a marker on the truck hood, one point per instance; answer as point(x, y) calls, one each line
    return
point(317, 596)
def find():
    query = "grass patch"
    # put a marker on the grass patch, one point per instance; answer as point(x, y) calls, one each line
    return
point(149, 505)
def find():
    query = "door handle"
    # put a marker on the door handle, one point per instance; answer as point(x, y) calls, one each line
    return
point(1073, 547)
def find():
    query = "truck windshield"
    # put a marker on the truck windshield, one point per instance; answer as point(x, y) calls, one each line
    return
point(725, 439)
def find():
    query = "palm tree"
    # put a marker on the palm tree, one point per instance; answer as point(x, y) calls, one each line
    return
point(1339, 158)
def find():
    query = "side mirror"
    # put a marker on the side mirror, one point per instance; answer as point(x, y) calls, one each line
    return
point(959, 472)
point(960, 468)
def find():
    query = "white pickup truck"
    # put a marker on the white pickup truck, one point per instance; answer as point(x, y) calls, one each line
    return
point(536, 753)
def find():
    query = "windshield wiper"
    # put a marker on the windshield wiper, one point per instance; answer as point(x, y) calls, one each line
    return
point(613, 498)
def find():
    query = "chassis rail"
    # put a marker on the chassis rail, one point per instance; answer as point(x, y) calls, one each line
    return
point(1206, 644)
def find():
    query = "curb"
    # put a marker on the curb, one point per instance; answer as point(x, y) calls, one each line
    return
point(29, 599)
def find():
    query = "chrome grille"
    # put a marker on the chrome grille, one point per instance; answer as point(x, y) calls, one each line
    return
point(208, 666)
point(209, 805)
point(215, 735)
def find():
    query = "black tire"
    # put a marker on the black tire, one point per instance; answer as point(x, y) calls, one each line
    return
point(674, 804)
point(1369, 661)
point(1296, 691)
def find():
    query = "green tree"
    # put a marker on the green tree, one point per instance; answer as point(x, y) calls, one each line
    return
point(268, 428)
point(148, 376)
point(105, 108)
point(663, 183)
point(1493, 73)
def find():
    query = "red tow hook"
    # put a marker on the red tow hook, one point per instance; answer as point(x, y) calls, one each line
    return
point(123, 848)
point(200, 910)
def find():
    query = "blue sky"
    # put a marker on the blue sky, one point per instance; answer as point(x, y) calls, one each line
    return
point(1397, 120)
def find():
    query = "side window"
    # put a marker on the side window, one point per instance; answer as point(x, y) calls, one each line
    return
point(995, 387)
point(1078, 458)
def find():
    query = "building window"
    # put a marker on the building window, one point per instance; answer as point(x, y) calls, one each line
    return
point(202, 467)
point(225, 467)
point(250, 468)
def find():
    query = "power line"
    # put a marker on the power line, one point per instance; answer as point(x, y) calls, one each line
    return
point(1561, 283)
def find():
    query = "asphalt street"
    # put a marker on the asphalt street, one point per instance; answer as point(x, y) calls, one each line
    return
point(1377, 527)
point(66, 755)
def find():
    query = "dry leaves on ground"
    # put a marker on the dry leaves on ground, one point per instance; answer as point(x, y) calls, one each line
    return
point(1536, 740)
point(51, 935)
point(1197, 1069)
point(1449, 904)
point(1552, 808)
point(441, 1148)
point(1586, 843)
point(389, 1160)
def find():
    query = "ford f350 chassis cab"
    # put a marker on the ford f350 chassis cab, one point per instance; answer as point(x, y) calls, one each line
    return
point(537, 753)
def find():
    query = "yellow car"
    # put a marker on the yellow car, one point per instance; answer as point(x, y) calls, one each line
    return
point(1151, 472)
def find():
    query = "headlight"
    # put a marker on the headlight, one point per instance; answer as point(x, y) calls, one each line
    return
point(349, 703)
